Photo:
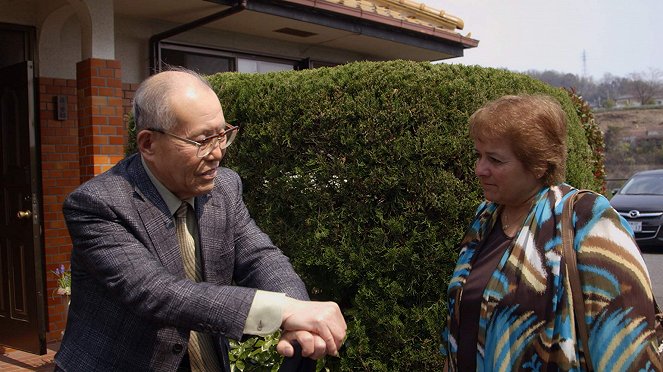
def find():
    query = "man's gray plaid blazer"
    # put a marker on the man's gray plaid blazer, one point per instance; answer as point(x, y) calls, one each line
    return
point(132, 307)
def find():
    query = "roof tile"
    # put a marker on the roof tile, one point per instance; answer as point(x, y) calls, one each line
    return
point(406, 10)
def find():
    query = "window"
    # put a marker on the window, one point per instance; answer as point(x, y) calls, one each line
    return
point(209, 61)
point(202, 63)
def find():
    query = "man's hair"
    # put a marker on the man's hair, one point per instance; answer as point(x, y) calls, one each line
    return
point(535, 128)
point(151, 103)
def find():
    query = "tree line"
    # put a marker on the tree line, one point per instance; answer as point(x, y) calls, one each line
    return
point(642, 87)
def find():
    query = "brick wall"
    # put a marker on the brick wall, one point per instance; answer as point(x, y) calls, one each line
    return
point(101, 127)
point(128, 91)
point(60, 176)
point(89, 141)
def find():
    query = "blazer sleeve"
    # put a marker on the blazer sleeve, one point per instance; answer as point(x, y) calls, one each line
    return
point(258, 262)
point(112, 262)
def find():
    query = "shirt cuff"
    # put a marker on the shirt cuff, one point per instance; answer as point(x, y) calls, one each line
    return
point(265, 313)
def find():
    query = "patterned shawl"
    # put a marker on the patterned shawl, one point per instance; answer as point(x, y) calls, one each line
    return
point(527, 321)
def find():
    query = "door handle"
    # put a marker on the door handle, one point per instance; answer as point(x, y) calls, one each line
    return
point(24, 214)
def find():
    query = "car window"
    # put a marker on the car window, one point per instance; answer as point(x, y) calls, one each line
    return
point(644, 185)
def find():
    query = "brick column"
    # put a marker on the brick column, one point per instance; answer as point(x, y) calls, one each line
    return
point(101, 131)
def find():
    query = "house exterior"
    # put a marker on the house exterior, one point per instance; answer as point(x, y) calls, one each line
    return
point(68, 70)
point(634, 101)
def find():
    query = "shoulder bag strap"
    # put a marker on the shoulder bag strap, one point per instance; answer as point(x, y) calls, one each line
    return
point(658, 326)
point(568, 234)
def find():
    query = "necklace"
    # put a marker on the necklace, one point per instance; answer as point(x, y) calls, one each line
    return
point(521, 216)
point(516, 222)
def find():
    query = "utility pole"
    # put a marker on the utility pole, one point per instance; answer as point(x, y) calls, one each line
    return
point(584, 63)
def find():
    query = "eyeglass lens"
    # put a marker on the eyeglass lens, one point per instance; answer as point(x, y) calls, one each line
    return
point(223, 141)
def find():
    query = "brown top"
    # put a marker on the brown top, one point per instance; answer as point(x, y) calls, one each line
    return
point(485, 263)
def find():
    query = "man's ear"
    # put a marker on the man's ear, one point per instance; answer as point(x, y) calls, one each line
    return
point(145, 142)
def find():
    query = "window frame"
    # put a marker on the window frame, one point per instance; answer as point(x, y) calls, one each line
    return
point(233, 56)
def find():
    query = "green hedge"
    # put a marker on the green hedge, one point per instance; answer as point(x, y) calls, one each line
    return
point(363, 175)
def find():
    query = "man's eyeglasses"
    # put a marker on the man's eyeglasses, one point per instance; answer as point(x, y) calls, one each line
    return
point(207, 145)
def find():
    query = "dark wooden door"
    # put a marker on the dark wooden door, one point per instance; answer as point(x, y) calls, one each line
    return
point(22, 311)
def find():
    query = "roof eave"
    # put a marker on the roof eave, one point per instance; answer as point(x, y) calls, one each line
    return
point(365, 23)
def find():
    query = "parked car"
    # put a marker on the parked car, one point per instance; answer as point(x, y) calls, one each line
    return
point(640, 202)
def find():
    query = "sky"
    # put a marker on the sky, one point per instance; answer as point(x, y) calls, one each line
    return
point(584, 37)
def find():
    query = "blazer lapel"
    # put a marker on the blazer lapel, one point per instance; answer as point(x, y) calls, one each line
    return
point(156, 218)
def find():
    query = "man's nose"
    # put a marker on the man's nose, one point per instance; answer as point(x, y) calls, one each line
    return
point(216, 153)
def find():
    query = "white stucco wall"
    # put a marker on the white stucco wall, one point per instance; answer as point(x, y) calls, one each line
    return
point(18, 12)
point(60, 51)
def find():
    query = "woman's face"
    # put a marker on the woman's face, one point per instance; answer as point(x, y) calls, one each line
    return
point(503, 177)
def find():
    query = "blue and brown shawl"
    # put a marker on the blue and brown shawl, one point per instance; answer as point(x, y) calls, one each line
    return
point(527, 320)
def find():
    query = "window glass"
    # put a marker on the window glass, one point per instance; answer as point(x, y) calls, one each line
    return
point(205, 64)
point(647, 184)
point(210, 61)
point(250, 65)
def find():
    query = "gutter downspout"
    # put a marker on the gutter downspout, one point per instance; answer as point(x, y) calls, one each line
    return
point(155, 40)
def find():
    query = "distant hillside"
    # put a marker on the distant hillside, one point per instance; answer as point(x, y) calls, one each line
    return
point(648, 118)
point(634, 141)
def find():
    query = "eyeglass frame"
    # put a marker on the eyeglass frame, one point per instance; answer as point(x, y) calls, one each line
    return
point(232, 129)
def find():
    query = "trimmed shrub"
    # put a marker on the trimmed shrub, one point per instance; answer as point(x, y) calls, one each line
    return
point(594, 137)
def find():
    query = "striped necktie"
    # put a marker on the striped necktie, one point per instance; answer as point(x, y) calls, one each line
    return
point(202, 355)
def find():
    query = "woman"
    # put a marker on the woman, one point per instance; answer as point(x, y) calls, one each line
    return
point(509, 302)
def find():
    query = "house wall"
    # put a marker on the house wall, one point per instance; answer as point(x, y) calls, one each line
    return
point(18, 12)
point(59, 56)
point(105, 101)
point(60, 49)
point(59, 40)
point(60, 175)
point(132, 41)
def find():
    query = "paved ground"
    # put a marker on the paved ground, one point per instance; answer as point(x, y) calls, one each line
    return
point(15, 360)
point(655, 266)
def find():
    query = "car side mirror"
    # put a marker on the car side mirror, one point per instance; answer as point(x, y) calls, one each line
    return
point(614, 191)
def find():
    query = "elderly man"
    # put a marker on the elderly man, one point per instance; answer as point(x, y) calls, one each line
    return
point(167, 262)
